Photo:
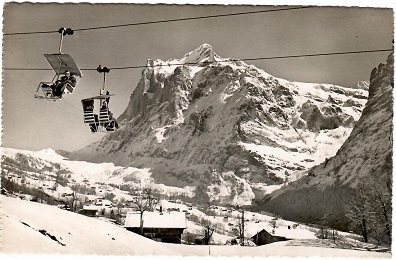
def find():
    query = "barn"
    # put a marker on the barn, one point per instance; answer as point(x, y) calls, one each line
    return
point(263, 237)
point(160, 226)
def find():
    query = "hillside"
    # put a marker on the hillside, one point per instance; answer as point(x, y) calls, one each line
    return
point(364, 159)
point(226, 128)
point(33, 228)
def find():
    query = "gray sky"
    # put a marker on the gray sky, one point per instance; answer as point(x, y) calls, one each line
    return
point(33, 124)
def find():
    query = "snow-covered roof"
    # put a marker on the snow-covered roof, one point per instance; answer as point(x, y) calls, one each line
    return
point(104, 202)
point(157, 219)
point(92, 207)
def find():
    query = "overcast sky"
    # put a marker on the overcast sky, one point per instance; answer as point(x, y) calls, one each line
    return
point(33, 124)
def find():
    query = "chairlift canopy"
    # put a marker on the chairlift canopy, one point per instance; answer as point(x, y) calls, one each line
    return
point(63, 62)
point(98, 97)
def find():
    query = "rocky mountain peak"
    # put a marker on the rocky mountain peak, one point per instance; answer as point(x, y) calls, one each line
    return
point(212, 122)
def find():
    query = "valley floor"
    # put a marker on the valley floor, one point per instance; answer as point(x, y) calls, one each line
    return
point(33, 228)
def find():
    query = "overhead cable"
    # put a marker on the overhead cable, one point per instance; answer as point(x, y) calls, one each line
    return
point(230, 60)
point(165, 21)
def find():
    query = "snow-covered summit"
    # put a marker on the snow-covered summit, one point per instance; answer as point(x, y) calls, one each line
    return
point(202, 54)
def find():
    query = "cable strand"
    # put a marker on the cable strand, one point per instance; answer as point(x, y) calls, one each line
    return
point(230, 60)
point(165, 21)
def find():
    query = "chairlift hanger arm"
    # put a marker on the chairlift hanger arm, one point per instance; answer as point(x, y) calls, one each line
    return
point(103, 70)
point(64, 32)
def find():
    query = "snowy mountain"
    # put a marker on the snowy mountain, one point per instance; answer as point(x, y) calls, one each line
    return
point(226, 128)
point(364, 158)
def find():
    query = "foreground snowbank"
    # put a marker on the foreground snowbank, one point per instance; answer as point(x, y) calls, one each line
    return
point(33, 228)
point(71, 233)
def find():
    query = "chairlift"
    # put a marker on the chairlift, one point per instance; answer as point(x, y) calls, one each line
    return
point(60, 63)
point(102, 121)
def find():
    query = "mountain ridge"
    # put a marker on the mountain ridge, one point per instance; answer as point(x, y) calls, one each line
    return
point(365, 157)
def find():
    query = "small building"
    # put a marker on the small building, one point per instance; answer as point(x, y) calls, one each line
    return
point(100, 206)
point(103, 202)
point(90, 210)
point(263, 237)
point(160, 226)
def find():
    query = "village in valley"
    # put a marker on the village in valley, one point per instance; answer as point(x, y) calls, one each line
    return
point(166, 216)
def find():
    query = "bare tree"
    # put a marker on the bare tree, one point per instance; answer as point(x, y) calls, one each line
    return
point(120, 205)
point(371, 206)
point(241, 227)
point(207, 231)
point(327, 226)
point(73, 202)
point(146, 200)
point(380, 194)
point(358, 211)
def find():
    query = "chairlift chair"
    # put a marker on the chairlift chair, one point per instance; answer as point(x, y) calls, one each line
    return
point(102, 121)
point(60, 63)
point(98, 122)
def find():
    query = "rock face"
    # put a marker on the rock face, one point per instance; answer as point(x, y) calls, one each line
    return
point(228, 128)
point(366, 153)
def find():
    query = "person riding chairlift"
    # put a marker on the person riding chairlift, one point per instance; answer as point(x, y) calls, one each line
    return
point(88, 106)
point(113, 123)
point(59, 87)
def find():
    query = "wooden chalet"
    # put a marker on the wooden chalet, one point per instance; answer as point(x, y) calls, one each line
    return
point(160, 226)
point(263, 237)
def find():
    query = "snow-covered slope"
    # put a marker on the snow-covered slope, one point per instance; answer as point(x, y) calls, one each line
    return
point(366, 156)
point(33, 228)
point(25, 225)
point(228, 128)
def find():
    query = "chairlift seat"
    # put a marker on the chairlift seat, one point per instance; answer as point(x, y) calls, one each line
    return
point(89, 117)
point(47, 91)
point(44, 91)
point(104, 116)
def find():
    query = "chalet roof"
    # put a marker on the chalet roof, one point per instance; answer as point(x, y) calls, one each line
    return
point(157, 219)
